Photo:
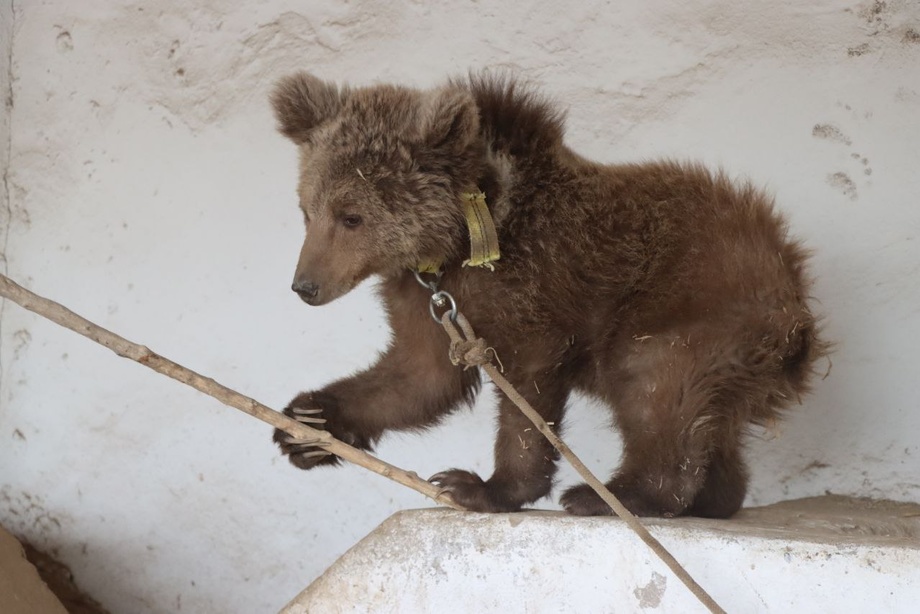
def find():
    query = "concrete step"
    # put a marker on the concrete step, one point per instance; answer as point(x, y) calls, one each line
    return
point(823, 554)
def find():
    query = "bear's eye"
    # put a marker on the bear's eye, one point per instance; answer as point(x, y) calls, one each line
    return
point(351, 220)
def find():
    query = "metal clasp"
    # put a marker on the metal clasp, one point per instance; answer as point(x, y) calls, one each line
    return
point(439, 298)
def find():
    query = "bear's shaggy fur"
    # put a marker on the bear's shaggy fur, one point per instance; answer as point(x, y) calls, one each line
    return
point(669, 292)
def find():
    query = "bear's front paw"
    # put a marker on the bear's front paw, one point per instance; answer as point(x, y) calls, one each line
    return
point(473, 493)
point(305, 453)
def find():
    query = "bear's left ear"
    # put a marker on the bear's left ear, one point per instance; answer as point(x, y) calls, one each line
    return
point(450, 120)
point(302, 103)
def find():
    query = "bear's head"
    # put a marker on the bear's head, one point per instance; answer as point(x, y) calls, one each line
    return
point(381, 174)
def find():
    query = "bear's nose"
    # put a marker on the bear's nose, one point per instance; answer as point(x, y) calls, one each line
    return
point(307, 290)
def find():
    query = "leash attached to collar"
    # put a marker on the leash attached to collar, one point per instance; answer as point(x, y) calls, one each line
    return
point(483, 236)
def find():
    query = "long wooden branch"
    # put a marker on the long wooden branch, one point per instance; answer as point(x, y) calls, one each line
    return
point(64, 317)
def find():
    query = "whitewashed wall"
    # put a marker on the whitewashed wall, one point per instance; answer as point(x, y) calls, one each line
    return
point(148, 191)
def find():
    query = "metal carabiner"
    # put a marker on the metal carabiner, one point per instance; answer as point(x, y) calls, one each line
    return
point(440, 299)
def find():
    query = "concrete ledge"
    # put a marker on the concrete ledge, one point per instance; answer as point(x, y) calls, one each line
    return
point(830, 554)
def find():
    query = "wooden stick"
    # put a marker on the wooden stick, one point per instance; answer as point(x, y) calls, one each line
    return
point(64, 317)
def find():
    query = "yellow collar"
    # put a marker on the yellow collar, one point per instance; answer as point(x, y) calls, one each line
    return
point(483, 236)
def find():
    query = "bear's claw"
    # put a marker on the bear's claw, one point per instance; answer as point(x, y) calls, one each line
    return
point(306, 415)
point(304, 453)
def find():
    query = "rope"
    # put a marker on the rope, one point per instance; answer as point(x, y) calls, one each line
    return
point(471, 351)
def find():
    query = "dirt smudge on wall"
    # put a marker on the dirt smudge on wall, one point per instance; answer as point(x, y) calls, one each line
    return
point(843, 183)
point(831, 133)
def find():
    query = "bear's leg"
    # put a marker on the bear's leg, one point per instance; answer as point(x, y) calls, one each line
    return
point(680, 410)
point(525, 461)
point(412, 385)
point(726, 484)
point(656, 478)
point(649, 490)
point(359, 409)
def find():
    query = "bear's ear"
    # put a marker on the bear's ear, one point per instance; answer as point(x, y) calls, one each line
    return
point(450, 119)
point(302, 103)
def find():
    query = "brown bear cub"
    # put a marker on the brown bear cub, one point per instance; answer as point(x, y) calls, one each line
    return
point(669, 292)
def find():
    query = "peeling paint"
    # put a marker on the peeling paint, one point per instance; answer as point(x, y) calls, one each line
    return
point(650, 595)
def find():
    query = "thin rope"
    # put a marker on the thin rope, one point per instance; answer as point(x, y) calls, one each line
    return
point(469, 350)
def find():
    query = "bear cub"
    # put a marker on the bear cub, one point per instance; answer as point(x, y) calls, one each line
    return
point(669, 292)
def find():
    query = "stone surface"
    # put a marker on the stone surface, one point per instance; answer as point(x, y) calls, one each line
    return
point(797, 556)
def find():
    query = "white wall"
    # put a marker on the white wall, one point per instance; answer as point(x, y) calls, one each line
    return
point(149, 192)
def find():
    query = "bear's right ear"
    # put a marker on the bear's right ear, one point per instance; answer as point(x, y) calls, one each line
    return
point(450, 120)
point(302, 103)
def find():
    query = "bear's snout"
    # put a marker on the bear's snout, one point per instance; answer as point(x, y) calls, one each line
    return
point(306, 290)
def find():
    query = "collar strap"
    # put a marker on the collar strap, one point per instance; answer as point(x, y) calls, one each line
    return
point(483, 236)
